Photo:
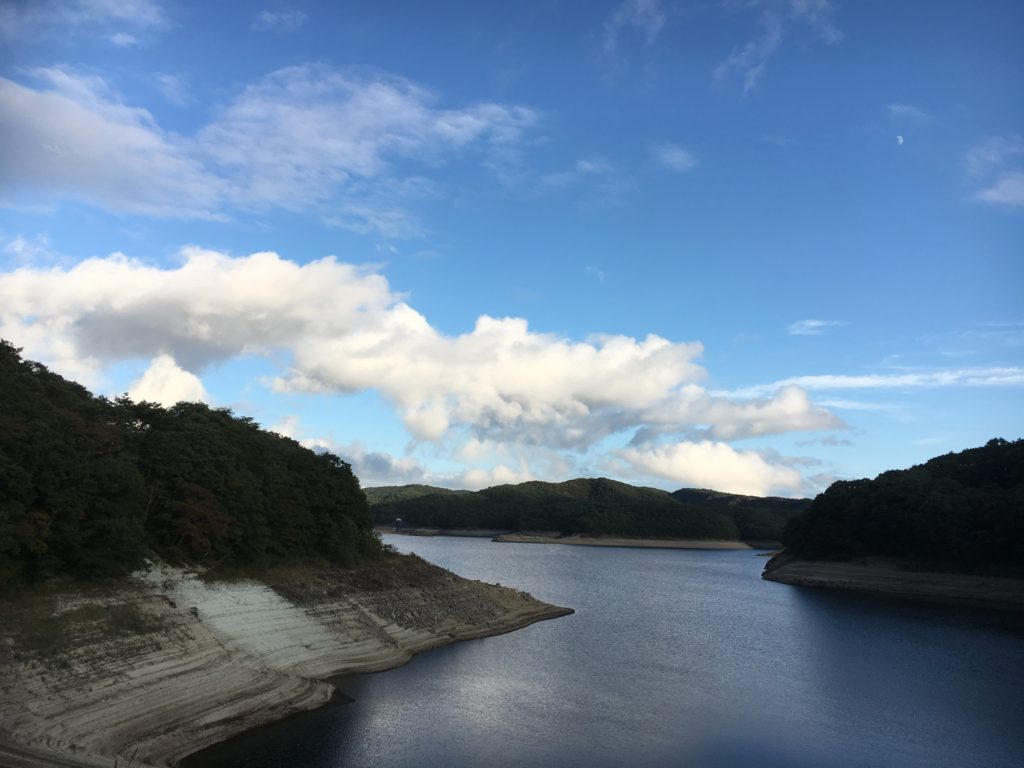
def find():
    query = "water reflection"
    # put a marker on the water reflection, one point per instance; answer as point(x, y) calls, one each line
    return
point(677, 658)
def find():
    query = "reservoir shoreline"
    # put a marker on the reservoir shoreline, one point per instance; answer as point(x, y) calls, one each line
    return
point(894, 579)
point(221, 658)
point(581, 540)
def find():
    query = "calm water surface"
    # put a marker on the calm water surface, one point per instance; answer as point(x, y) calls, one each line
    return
point(676, 658)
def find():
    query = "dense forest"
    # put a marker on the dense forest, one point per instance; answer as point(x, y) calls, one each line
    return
point(89, 486)
point(588, 506)
point(962, 510)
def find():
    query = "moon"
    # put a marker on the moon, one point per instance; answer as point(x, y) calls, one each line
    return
point(899, 140)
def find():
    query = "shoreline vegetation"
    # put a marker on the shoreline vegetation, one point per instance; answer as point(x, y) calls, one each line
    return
point(588, 508)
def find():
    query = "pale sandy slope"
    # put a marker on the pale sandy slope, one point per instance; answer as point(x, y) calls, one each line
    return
point(228, 657)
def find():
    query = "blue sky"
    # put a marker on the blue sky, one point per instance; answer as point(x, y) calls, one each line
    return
point(753, 246)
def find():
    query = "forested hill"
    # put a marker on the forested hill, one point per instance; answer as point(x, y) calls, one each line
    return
point(591, 506)
point(88, 487)
point(962, 510)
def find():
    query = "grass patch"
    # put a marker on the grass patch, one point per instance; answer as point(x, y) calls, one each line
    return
point(44, 628)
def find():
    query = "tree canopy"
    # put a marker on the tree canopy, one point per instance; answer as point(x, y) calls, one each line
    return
point(89, 486)
point(964, 510)
point(589, 506)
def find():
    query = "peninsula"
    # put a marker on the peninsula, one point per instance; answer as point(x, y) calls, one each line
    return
point(172, 577)
point(951, 529)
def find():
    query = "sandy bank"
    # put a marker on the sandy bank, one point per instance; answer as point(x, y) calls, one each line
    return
point(621, 541)
point(887, 577)
point(171, 664)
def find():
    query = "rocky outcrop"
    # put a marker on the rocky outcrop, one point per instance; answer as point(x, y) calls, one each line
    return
point(890, 577)
point(155, 670)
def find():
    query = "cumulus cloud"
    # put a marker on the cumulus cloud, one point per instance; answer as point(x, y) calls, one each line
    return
point(304, 138)
point(673, 157)
point(376, 467)
point(164, 382)
point(714, 465)
point(998, 165)
point(812, 327)
point(344, 330)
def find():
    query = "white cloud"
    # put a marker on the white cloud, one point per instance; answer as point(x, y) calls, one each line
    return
point(32, 251)
point(813, 327)
point(749, 61)
point(279, 21)
point(164, 382)
point(775, 19)
point(124, 40)
point(580, 170)
point(306, 138)
point(144, 13)
point(374, 467)
point(346, 331)
point(673, 157)
point(645, 17)
point(174, 88)
point(994, 154)
point(76, 140)
point(907, 113)
point(998, 164)
point(20, 20)
point(303, 132)
point(1008, 189)
point(962, 377)
point(714, 465)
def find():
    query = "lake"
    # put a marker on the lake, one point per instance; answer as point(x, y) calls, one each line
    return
point(676, 658)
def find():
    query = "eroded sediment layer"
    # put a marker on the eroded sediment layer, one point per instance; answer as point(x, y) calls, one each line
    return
point(890, 577)
point(170, 664)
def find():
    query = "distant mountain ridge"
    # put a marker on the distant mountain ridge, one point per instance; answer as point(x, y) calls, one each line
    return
point(589, 506)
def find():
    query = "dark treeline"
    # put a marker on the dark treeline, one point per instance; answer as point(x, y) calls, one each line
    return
point(963, 510)
point(588, 506)
point(89, 487)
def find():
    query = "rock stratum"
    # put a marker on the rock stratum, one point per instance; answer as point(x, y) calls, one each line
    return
point(167, 664)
